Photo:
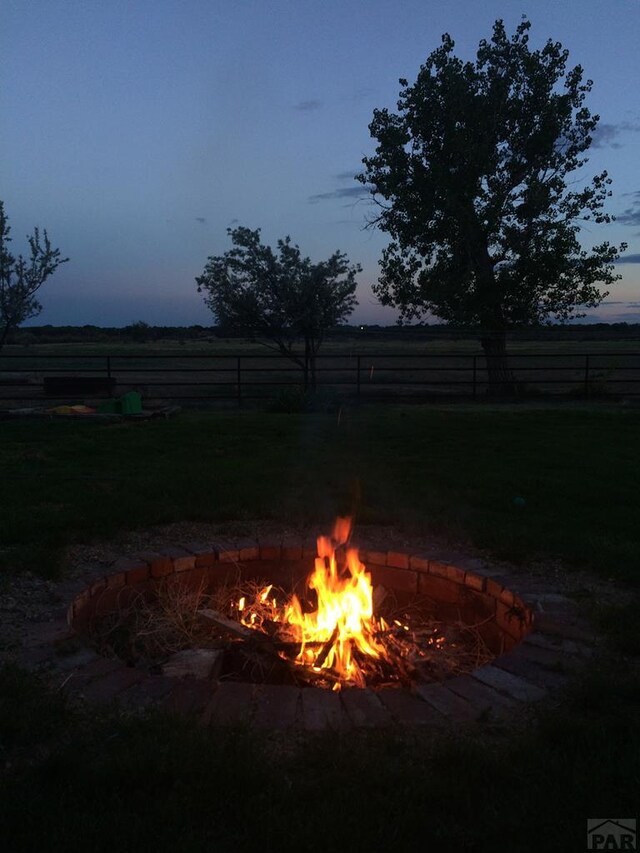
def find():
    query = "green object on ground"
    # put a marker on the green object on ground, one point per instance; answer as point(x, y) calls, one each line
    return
point(131, 403)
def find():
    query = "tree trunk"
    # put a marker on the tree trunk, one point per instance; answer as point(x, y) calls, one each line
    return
point(312, 372)
point(4, 334)
point(501, 382)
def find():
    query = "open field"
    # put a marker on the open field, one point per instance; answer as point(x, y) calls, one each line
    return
point(437, 471)
point(73, 779)
point(404, 369)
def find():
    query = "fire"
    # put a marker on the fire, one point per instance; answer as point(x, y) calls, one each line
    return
point(343, 627)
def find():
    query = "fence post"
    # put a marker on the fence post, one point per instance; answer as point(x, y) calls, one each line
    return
point(358, 376)
point(586, 377)
point(239, 382)
point(108, 367)
point(475, 375)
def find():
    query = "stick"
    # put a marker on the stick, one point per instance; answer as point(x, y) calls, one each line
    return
point(230, 625)
point(324, 652)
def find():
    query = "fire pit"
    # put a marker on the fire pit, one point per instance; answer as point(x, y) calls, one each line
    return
point(313, 634)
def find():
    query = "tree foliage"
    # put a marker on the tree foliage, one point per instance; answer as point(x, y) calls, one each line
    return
point(20, 278)
point(279, 298)
point(473, 172)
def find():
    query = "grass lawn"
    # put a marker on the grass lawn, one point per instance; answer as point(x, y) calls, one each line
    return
point(74, 781)
point(450, 471)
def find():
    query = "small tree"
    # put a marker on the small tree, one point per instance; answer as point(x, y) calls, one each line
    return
point(474, 173)
point(20, 279)
point(279, 299)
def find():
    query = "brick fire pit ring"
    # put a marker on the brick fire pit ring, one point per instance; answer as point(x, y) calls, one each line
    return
point(534, 653)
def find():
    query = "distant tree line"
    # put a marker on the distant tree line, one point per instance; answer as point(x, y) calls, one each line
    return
point(353, 333)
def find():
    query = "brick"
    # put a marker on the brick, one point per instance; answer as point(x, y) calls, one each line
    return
point(321, 710)
point(270, 551)
point(231, 703)
point(511, 619)
point(364, 709)
point(206, 559)
point(476, 582)
point(99, 667)
point(439, 589)
point(484, 698)
point(147, 692)
point(522, 667)
point(159, 564)
point(455, 574)
point(397, 559)
point(193, 580)
point(189, 696)
point(276, 706)
point(561, 628)
point(394, 578)
point(205, 555)
point(511, 685)
point(507, 597)
point(292, 549)
point(566, 647)
point(496, 640)
point(129, 565)
point(199, 663)
point(116, 580)
point(408, 710)
point(378, 557)
point(137, 574)
point(248, 549)
point(437, 568)
point(449, 704)
point(475, 605)
point(106, 688)
point(493, 587)
point(182, 560)
point(419, 562)
point(98, 587)
point(229, 554)
point(80, 602)
point(554, 659)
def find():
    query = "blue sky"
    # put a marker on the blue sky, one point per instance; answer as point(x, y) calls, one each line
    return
point(136, 132)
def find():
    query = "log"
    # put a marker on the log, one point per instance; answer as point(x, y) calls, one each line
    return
point(230, 626)
point(324, 652)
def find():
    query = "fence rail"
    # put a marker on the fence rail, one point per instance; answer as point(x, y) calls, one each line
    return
point(205, 377)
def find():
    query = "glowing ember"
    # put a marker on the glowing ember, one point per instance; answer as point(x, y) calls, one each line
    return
point(342, 626)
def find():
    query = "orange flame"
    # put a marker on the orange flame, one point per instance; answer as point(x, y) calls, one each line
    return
point(344, 616)
point(343, 621)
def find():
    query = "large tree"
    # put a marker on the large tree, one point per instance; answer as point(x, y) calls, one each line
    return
point(20, 278)
point(279, 298)
point(471, 180)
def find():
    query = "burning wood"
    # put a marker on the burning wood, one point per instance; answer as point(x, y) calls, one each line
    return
point(342, 632)
point(343, 639)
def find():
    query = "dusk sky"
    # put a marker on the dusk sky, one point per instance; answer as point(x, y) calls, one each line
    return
point(136, 132)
